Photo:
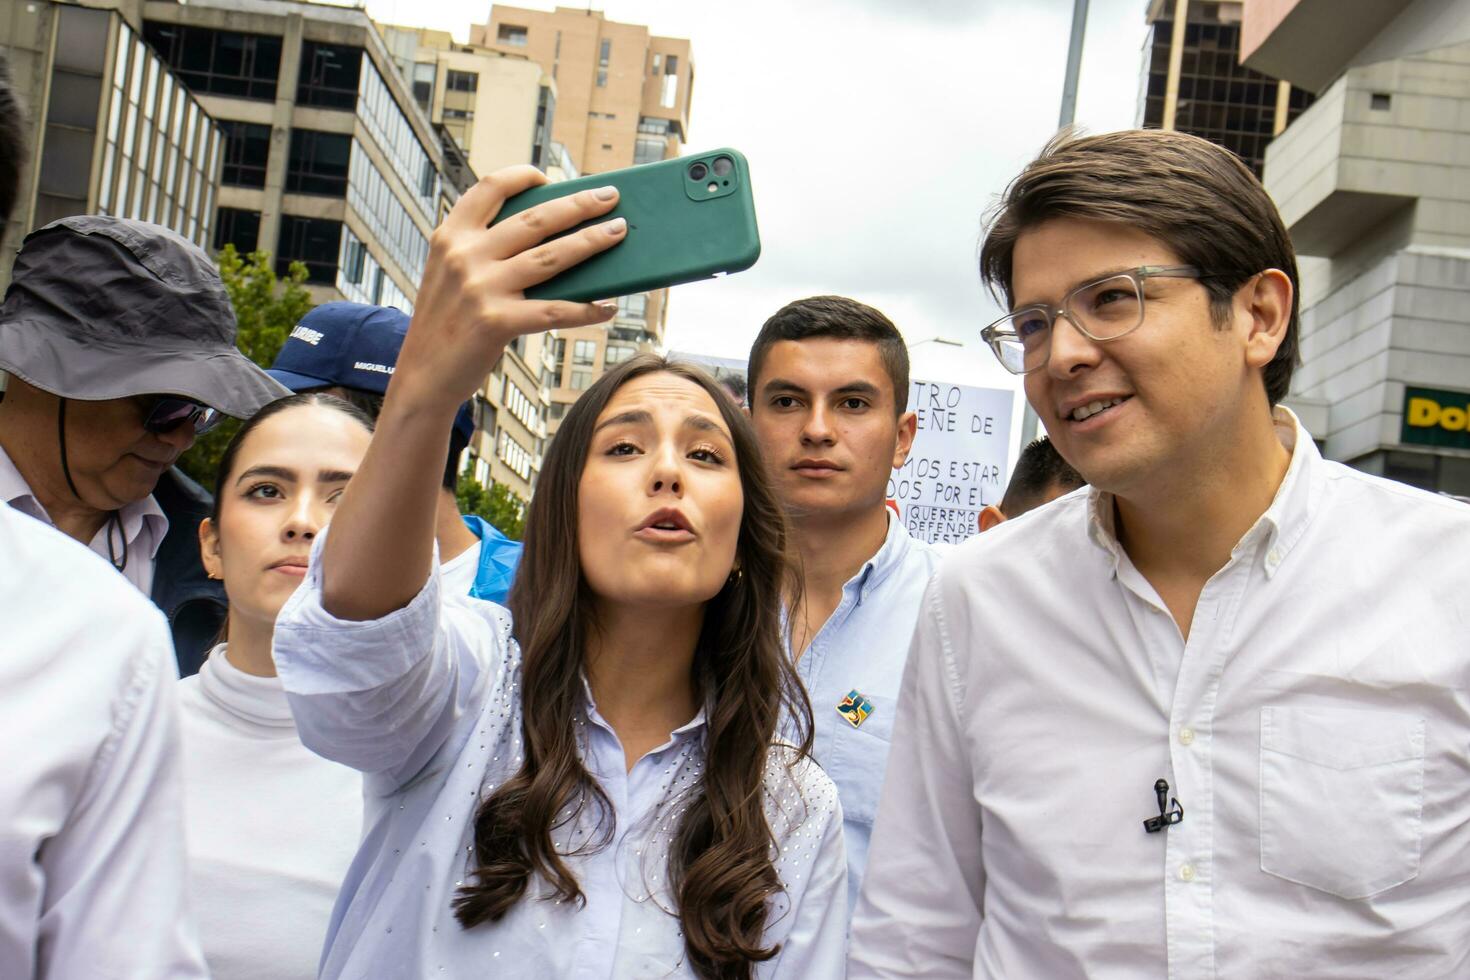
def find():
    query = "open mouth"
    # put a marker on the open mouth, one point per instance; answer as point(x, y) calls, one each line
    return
point(1084, 412)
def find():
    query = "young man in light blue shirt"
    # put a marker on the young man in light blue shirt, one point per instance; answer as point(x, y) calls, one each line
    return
point(829, 382)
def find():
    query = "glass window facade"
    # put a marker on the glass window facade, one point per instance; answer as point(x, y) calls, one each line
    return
point(329, 75)
point(237, 227)
point(395, 136)
point(162, 154)
point(363, 280)
point(461, 81)
point(541, 155)
point(387, 220)
point(584, 353)
point(318, 163)
point(315, 242)
point(519, 404)
point(514, 455)
point(229, 63)
point(247, 150)
point(1219, 99)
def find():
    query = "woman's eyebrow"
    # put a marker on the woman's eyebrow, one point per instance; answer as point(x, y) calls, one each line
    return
point(333, 476)
point(274, 472)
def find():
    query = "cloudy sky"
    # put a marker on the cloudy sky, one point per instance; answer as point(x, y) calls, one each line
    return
point(878, 131)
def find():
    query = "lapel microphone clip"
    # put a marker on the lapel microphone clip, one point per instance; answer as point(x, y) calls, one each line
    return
point(1170, 812)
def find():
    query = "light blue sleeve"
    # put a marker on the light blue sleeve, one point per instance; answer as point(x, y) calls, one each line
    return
point(383, 695)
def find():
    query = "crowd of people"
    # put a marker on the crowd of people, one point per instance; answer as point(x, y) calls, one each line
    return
point(1194, 704)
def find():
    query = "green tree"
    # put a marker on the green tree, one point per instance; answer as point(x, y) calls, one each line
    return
point(266, 308)
point(498, 505)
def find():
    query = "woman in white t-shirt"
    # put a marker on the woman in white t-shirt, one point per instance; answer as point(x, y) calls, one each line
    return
point(271, 828)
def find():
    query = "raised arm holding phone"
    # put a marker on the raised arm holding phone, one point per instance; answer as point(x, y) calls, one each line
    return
point(591, 785)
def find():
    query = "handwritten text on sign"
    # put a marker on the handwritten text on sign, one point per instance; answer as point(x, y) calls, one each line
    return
point(959, 462)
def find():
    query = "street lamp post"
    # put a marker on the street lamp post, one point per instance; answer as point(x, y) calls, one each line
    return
point(1064, 118)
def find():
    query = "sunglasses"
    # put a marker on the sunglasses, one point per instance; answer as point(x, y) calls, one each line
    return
point(169, 412)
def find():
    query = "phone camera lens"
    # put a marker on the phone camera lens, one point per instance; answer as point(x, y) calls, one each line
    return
point(723, 166)
point(698, 171)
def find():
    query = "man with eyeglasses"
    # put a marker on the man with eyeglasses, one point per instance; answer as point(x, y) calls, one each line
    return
point(1209, 719)
point(117, 341)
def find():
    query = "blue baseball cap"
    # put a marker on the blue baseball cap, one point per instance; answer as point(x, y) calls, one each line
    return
point(349, 345)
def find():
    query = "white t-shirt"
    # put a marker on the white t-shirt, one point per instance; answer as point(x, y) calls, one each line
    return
point(271, 828)
point(457, 575)
point(92, 880)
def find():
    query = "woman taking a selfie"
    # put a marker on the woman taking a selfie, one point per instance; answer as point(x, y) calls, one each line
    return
point(598, 789)
point(271, 827)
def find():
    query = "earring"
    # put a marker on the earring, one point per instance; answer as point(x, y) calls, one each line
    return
point(736, 574)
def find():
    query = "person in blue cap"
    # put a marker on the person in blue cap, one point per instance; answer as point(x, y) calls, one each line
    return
point(349, 350)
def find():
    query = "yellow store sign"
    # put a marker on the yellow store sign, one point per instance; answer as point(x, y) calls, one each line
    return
point(1433, 417)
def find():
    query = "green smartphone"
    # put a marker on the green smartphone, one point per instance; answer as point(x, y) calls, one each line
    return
point(690, 218)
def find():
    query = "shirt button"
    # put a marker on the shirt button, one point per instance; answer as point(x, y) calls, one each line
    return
point(1186, 735)
point(1274, 556)
point(1186, 872)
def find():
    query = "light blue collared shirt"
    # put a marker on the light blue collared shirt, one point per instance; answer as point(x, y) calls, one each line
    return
point(427, 703)
point(862, 647)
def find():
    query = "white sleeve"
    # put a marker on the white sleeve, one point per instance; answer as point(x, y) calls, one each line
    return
point(923, 892)
point(115, 903)
point(383, 695)
point(815, 947)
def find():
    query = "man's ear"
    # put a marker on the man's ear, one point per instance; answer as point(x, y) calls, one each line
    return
point(908, 427)
point(990, 516)
point(209, 549)
point(1268, 301)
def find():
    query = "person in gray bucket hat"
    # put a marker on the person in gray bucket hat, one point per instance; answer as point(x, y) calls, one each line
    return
point(118, 340)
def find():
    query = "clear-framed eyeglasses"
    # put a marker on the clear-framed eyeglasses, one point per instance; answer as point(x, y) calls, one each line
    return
point(1102, 310)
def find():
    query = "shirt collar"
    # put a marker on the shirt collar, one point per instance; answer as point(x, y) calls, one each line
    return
point(259, 701)
point(15, 491)
point(684, 731)
point(895, 548)
point(1283, 523)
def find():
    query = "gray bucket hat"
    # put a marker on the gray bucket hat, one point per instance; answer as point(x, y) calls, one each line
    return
point(102, 307)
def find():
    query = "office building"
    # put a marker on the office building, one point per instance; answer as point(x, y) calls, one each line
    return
point(1193, 81)
point(498, 107)
point(113, 130)
point(1372, 182)
point(623, 98)
point(493, 109)
point(327, 160)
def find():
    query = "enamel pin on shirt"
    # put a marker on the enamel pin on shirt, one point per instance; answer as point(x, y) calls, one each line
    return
point(855, 708)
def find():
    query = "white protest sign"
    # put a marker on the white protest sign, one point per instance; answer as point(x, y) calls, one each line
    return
point(960, 461)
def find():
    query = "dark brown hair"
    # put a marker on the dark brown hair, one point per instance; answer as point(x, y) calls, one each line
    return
point(720, 861)
point(1193, 196)
point(844, 319)
point(232, 451)
point(1039, 471)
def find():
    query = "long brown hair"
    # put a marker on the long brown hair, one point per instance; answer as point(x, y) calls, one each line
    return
point(720, 861)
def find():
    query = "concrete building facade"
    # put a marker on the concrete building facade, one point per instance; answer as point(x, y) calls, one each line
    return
point(496, 109)
point(114, 130)
point(1373, 184)
point(1193, 81)
point(623, 97)
point(327, 160)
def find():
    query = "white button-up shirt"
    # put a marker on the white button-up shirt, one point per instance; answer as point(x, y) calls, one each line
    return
point(1315, 728)
point(92, 879)
point(862, 647)
point(143, 526)
point(427, 702)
